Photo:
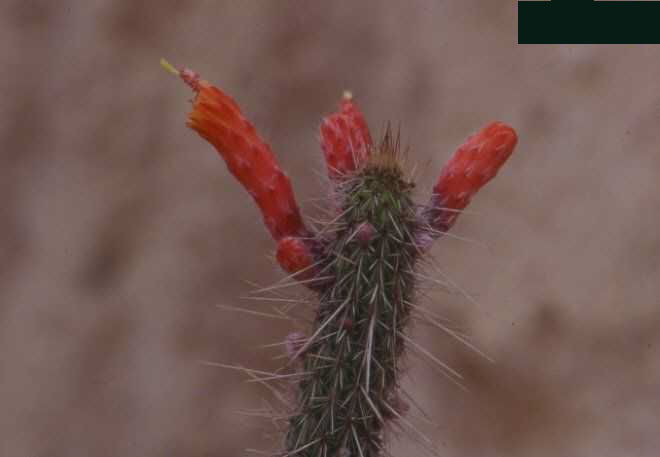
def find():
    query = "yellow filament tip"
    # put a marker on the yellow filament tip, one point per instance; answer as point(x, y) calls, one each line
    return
point(169, 67)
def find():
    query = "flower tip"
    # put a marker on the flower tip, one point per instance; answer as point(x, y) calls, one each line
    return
point(190, 77)
point(505, 135)
point(347, 95)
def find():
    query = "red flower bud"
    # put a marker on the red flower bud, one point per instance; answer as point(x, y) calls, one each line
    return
point(364, 233)
point(474, 164)
point(345, 139)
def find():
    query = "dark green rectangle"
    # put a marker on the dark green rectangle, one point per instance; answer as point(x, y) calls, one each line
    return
point(585, 21)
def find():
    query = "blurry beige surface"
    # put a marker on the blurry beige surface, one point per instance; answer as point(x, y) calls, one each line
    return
point(121, 230)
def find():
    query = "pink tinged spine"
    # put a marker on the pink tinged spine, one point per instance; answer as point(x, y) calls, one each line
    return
point(218, 119)
point(473, 164)
point(345, 139)
point(293, 343)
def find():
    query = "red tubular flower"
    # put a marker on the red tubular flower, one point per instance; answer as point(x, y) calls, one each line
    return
point(345, 139)
point(474, 164)
point(218, 119)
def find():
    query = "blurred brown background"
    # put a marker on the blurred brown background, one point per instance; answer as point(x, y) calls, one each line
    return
point(121, 230)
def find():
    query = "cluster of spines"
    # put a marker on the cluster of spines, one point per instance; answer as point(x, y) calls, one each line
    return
point(352, 360)
point(362, 269)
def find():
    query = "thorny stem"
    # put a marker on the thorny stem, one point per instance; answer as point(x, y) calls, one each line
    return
point(361, 264)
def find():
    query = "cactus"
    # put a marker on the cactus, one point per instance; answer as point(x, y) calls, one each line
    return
point(361, 264)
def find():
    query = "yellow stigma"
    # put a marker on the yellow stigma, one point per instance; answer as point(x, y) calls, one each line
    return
point(169, 67)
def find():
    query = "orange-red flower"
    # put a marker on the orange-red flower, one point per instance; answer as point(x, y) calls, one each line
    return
point(218, 119)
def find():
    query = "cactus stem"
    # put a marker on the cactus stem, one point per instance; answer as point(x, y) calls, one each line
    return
point(363, 265)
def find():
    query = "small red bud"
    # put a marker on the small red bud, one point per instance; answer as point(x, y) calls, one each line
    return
point(365, 233)
point(473, 164)
point(345, 139)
